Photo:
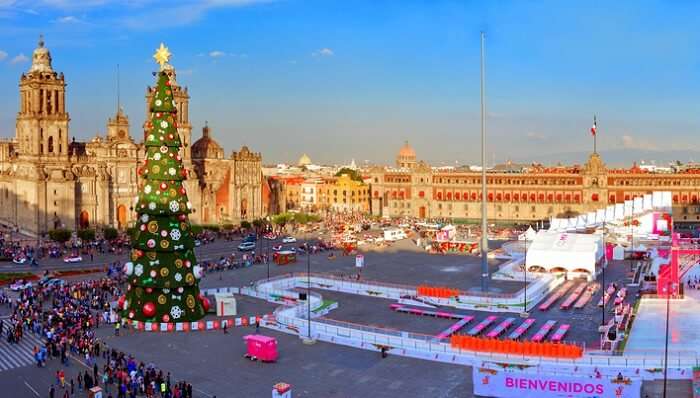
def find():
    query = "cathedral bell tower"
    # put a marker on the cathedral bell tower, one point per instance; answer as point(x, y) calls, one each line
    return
point(182, 100)
point(42, 120)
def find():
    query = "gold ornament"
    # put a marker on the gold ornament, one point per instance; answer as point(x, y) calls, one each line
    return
point(151, 255)
point(162, 55)
point(162, 299)
point(189, 279)
point(164, 272)
point(153, 227)
point(164, 244)
point(190, 301)
point(178, 263)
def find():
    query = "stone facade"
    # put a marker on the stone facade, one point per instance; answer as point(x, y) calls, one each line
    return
point(415, 189)
point(47, 182)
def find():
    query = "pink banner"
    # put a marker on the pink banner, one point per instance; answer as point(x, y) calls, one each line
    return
point(494, 383)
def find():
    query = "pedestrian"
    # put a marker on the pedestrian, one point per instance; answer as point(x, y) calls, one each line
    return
point(80, 381)
point(225, 327)
point(72, 387)
point(116, 328)
point(52, 391)
point(257, 326)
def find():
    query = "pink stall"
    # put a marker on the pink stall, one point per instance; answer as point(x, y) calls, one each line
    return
point(261, 347)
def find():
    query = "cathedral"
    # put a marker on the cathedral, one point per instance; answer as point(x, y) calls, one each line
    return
point(48, 180)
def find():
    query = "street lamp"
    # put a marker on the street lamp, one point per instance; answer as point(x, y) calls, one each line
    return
point(309, 339)
point(669, 288)
point(525, 314)
point(603, 264)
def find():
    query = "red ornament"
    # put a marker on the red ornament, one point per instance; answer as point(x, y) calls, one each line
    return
point(167, 83)
point(120, 303)
point(163, 186)
point(158, 114)
point(166, 318)
point(183, 191)
point(170, 136)
point(149, 309)
point(149, 290)
point(205, 302)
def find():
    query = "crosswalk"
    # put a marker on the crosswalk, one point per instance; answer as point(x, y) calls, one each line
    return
point(18, 355)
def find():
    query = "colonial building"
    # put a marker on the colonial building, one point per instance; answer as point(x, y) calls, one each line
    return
point(415, 189)
point(48, 181)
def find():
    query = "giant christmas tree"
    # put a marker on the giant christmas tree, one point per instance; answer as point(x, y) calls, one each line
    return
point(162, 274)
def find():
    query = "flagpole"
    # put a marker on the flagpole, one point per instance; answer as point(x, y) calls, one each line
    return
point(484, 224)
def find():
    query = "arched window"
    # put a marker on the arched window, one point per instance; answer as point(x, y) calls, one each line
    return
point(50, 148)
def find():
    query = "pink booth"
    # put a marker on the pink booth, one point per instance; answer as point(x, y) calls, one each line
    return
point(261, 347)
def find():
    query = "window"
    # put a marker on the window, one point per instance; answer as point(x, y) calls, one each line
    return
point(50, 148)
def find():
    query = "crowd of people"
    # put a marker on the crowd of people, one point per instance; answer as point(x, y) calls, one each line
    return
point(65, 318)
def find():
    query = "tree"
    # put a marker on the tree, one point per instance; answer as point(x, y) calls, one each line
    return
point(60, 235)
point(86, 235)
point(110, 233)
point(353, 174)
point(245, 225)
point(162, 275)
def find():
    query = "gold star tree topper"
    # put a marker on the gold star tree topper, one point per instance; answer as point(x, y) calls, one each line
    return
point(162, 55)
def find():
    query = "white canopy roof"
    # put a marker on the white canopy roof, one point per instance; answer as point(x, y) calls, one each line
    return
point(569, 251)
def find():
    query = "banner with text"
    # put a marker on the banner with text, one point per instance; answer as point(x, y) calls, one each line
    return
point(494, 383)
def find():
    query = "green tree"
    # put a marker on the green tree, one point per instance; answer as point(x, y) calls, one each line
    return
point(60, 235)
point(245, 225)
point(86, 235)
point(163, 273)
point(353, 174)
point(110, 233)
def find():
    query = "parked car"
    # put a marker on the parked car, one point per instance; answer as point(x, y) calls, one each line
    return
point(270, 236)
point(20, 259)
point(277, 248)
point(51, 282)
point(20, 284)
point(73, 258)
point(250, 238)
point(289, 239)
point(246, 246)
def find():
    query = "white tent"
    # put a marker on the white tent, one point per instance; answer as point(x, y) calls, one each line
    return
point(528, 235)
point(567, 251)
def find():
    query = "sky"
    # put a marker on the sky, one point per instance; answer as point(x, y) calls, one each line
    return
point(355, 79)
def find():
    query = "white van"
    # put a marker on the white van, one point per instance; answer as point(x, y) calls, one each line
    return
point(394, 234)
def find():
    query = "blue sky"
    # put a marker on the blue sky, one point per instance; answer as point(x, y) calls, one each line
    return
point(354, 79)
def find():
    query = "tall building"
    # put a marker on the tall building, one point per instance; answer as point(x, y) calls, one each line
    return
point(48, 181)
point(415, 189)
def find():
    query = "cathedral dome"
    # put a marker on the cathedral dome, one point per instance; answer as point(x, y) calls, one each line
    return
point(206, 147)
point(304, 160)
point(407, 151)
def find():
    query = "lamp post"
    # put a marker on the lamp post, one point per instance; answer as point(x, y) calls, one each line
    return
point(604, 288)
point(309, 339)
point(525, 314)
point(267, 257)
point(671, 286)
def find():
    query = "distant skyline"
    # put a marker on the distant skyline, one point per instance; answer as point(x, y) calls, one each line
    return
point(343, 80)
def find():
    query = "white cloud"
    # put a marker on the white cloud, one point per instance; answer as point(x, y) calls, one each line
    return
point(536, 136)
point(216, 54)
point(3, 55)
point(19, 59)
point(68, 19)
point(324, 52)
point(630, 142)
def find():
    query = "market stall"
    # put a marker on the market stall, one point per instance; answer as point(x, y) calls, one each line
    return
point(570, 253)
point(284, 257)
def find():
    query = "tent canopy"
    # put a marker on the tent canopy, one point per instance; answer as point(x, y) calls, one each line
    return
point(569, 251)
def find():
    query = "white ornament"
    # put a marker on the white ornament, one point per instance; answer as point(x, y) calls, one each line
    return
point(175, 234)
point(198, 272)
point(159, 102)
point(178, 277)
point(176, 312)
point(172, 171)
point(151, 137)
point(166, 291)
point(144, 217)
point(189, 205)
point(164, 124)
point(147, 189)
point(164, 233)
point(126, 304)
point(156, 156)
point(174, 206)
point(138, 270)
point(128, 268)
point(180, 289)
point(152, 205)
point(163, 149)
